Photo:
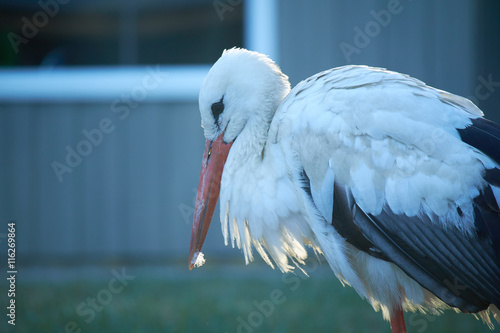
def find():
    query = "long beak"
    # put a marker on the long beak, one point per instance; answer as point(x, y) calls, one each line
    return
point(214, 157)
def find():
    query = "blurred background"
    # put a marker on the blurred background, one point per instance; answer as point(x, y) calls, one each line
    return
point(101, 145)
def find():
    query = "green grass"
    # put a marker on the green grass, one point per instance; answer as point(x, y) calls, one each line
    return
point(213, 303)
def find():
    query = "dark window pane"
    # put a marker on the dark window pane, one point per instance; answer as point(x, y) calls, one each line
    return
point(116, 32)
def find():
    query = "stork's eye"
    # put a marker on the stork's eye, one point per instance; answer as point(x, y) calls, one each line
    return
point(217, 109)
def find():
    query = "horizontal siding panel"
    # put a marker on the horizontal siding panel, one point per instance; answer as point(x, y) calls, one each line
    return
point(132, 196)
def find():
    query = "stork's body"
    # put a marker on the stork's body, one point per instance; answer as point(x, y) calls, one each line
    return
point(396, 183)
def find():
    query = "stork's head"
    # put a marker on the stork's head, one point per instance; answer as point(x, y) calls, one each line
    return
point(241, 88)
point(242, 84)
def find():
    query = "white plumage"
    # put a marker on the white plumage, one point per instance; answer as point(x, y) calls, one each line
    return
point(386, 144)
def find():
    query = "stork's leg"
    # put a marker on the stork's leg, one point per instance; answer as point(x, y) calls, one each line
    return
point(398, 320)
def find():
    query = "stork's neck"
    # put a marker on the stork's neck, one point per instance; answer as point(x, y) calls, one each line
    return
point(252, 139)
point(259, 204)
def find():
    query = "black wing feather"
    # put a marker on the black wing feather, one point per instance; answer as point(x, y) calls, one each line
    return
point(463, 270)
point(484, 135)
point(343, 222)
point(415, 249)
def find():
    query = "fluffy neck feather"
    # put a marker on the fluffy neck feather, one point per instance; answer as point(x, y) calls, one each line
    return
point(259, 204)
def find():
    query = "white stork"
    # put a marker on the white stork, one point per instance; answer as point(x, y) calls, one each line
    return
point(396, 183)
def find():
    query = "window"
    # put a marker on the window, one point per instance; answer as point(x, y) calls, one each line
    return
point(182, 37)
point(112, 32)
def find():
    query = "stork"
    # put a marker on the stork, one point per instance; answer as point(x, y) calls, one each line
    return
point(395, 183)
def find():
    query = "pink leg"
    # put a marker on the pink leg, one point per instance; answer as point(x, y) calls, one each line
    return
point(398, 320)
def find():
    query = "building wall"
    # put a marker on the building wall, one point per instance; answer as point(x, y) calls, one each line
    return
point(132, 196)
point(433, 41)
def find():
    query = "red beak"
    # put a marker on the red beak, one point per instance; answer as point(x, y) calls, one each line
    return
point(214, 157)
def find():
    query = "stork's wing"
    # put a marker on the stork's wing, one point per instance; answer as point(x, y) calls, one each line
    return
point(404, 172)
point(461, 270)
